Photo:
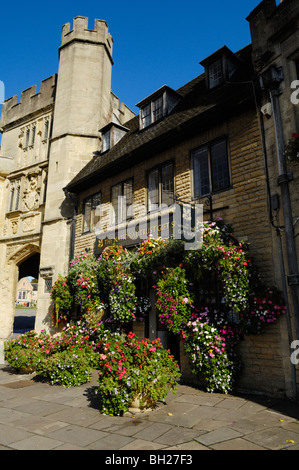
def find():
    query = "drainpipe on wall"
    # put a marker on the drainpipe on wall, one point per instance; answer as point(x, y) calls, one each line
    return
point(283, 181)
point(74, 200)
point(271, 80)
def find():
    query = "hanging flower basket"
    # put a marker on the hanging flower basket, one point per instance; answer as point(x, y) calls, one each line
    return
point(292, 148)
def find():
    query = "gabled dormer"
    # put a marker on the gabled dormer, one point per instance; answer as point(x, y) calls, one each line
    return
point(112, 133)
point(220, 67)
point(157, 105)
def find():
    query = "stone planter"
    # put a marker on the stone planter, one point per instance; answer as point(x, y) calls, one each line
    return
point(141, 403)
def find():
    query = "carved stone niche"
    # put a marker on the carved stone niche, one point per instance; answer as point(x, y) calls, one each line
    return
point(31, 197)
point(46, 272)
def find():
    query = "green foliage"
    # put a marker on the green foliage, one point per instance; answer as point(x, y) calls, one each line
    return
point(64, 359)
point(208, 355)
point(62, 298)
point(130, 368)
point(174, 301)
point(67, 368)
point(117, 284)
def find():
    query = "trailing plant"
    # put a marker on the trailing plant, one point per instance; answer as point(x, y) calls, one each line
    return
point(209, 357)
point(265, 306)
point(173, 299)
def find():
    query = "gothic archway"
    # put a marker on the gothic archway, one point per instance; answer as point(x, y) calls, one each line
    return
point(27, 261)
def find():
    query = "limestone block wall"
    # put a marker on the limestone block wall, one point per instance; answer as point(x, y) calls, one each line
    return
point(244, 205)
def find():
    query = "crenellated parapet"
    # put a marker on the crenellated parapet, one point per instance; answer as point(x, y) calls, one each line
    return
point(30, 102)
point(81, 32)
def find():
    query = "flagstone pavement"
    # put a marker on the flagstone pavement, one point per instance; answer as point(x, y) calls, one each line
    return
point(38, 416)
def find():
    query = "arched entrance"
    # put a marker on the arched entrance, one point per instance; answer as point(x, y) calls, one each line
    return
point(26, 295)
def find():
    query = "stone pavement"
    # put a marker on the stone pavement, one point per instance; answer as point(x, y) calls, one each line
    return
point(38, 416)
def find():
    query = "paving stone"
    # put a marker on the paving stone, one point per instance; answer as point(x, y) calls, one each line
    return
point(36, 443)
point(38, 424)
point(129, 427)
point(207, 400)
point(207, 424)
point(153, 431)
point(69, 446)
point(275, 438)
point(237, 444)
point(9, 434)
point(191, 445)
point(77, 435)
point(140, 444)
point(246, 425)
point(177, 435)
point(218, 435)
point(41, 408)
point(292, 426)
point(79, 416)
point(111, 442)
point(16, 402)
point(7, 415)
point(230, 403)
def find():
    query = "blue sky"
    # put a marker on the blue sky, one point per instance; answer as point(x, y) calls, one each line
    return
point(155, 43)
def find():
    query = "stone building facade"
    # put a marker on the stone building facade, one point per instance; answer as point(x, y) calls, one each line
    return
point(48, 136)
point(215, 142)
point(209, 110)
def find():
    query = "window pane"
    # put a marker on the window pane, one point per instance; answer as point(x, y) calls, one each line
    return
point(128, 194)
point(27, 137)
point(106, 141)
point(116, 193)
point(158, 108)
point(219, 165)
point(146, 115)
point(153, 190)
point(33, 136)
point(46, 130)
point(215, 73)
point(48, 284)
point(201, 171)
point(167, 185)
point(95, 214)
point(87, 216)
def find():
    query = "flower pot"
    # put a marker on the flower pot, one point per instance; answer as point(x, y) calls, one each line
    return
point(26, 370)
point(141, 402)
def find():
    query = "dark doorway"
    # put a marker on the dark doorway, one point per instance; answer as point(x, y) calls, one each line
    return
point(26, 296)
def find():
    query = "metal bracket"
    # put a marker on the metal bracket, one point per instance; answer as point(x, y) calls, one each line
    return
point(285, 178)
point(293, 279)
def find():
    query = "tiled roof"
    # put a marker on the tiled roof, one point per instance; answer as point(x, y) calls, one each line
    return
point(196, 107)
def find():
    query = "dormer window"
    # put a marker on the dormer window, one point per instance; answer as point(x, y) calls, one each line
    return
point(220, 67)
point(215, 73)
point(156, 106)
point(111, 134)
point(106, 136)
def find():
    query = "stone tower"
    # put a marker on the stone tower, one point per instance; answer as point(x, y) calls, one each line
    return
point(48, 137)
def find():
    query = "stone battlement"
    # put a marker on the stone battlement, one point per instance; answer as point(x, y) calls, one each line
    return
point(30, 101)
point(81, 32)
